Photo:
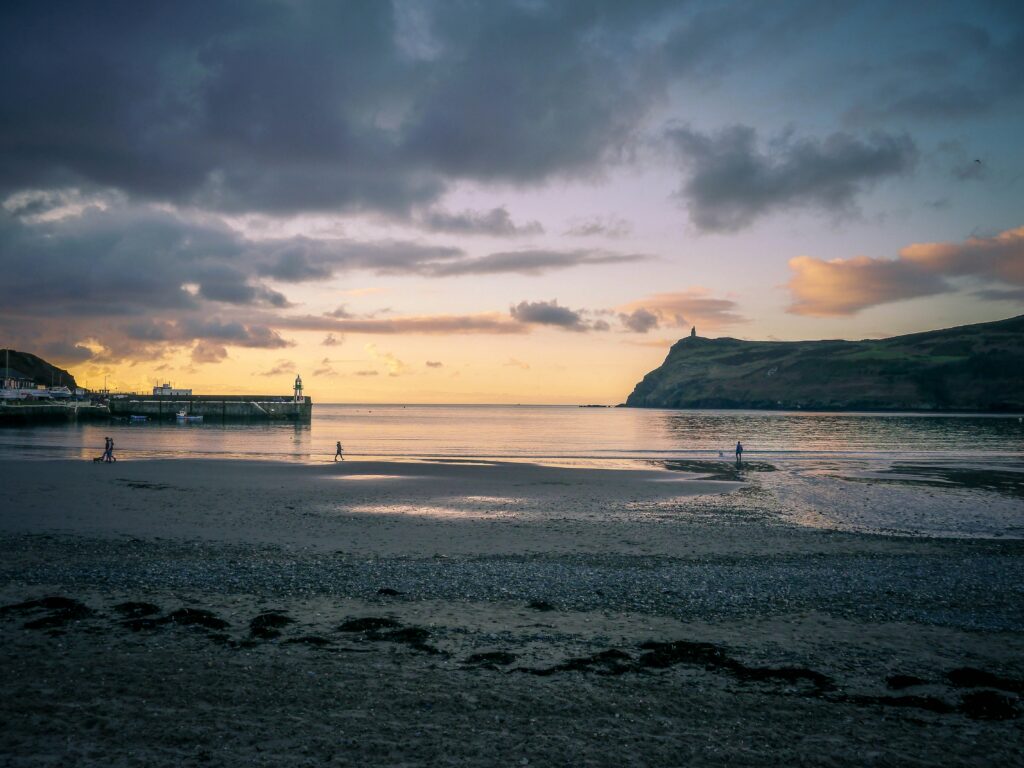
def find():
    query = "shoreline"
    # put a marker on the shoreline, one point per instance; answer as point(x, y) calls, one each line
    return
point(975, 498)
point(383, 613)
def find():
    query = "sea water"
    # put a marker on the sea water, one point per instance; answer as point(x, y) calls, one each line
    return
point(898, 473)
point(545, 434)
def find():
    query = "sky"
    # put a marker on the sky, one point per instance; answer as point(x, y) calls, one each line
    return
point(496, 202)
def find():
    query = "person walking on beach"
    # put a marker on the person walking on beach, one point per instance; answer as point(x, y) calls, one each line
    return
point(337, 453)
point(110, 450)
point(739, 451)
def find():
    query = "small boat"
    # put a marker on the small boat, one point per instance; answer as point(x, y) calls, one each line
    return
point(136, 419)
point(185, 418)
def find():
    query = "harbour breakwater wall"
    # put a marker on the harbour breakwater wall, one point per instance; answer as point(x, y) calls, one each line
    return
point(24, 414)
point(214, 407)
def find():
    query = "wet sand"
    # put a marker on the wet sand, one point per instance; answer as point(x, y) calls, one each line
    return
point(236, 613)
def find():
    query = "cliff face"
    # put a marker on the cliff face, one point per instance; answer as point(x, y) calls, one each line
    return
point(37, 369)
point(970, 368)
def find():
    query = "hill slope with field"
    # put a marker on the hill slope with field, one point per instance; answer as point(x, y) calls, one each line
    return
point(969, 368)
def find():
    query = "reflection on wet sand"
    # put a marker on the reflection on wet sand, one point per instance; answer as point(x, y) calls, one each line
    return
point(1009, 482)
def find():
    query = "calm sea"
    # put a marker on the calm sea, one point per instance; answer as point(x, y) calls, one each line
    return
point(549, 434)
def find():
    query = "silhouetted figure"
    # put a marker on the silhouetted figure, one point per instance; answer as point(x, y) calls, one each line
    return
point(739, 451)
point(337, 453)
point(110, 450)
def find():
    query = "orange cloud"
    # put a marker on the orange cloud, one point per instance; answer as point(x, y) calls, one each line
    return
point(846, 286)
point(999, 258)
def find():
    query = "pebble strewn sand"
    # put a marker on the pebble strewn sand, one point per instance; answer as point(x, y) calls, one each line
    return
point(160, 613)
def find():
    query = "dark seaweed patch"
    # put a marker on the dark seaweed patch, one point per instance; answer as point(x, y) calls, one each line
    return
point(52, 603)
point(187, 617)
point(61, 611)
point(368, 624)
point(969, 677)
point(989, 705)
point(610, 662)
point(197, 617)
point(145, 485)
point(267, 625)
point(718, 470)
point(1006, 482)
point(541, 605)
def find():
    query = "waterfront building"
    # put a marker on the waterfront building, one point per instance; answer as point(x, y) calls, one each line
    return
point(168, 390)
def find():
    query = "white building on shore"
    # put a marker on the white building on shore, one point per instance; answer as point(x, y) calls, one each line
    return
point(168, 390)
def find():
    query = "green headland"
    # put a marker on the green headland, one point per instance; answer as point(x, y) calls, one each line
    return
point(977, 368)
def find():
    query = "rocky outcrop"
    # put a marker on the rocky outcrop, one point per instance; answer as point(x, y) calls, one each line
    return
point(969, 368)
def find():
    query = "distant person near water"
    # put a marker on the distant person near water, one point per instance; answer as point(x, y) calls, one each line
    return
point(108, 451)
point(337, 453)
point(739, 451)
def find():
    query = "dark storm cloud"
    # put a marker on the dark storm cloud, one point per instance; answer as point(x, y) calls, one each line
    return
point(302, 106)
point(548, 313)
point(102, 264)
point(302, 259)
point(238, 105)
point(733, 181)
point(316, 105)
point(127, 262)
point(961, 70)
point(231, 286)
point(142, 280)
point(496, 222)
point(205, 352)
point(187, 329)
point(135, 261)
point(639, 320)
point(66, 352)
point(231, 332)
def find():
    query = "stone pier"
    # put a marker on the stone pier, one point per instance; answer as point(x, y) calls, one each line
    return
point(215, 407)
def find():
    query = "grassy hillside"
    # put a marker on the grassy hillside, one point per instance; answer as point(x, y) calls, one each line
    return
point(969, 368)
point(40, 371)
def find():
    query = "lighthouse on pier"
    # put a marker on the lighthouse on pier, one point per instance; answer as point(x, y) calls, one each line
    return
point(299, 397)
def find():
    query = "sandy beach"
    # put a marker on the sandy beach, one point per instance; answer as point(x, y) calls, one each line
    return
point(487, 613)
